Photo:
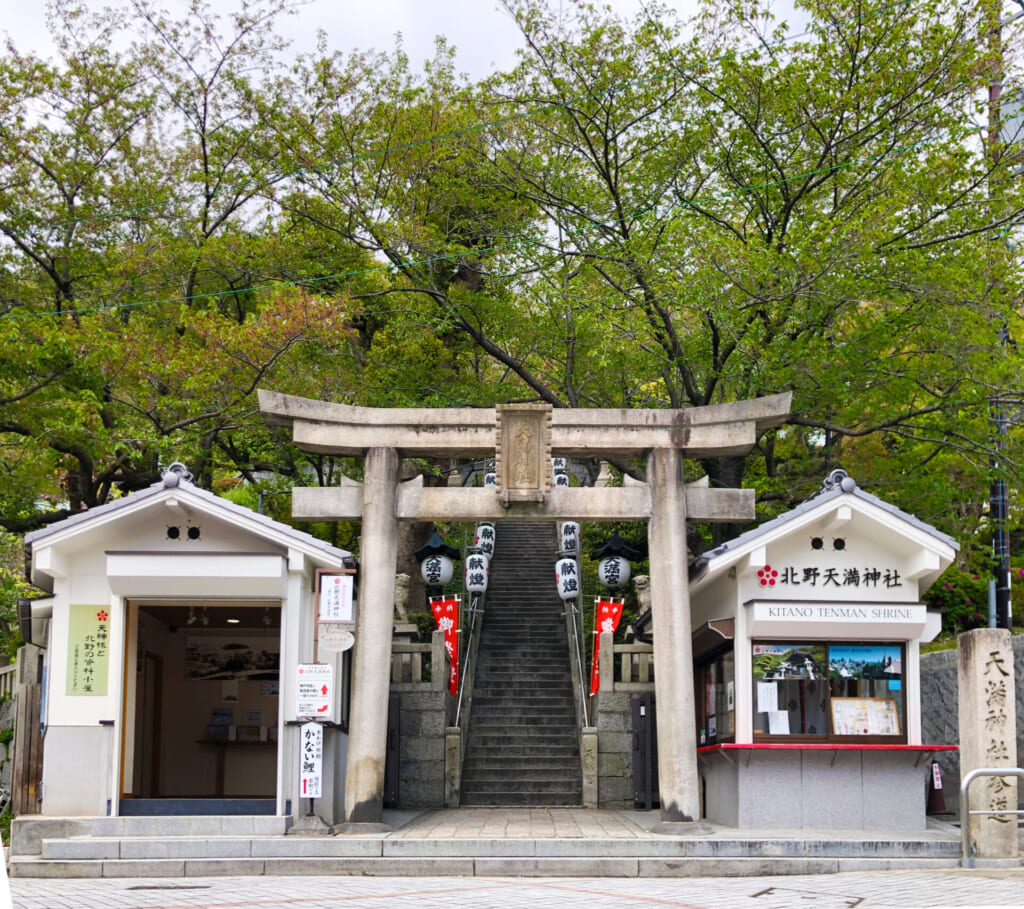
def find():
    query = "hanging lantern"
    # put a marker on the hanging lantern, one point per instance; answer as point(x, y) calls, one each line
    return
point(435, 558)
point(437, 570)
point(477, 570)
point(490, 479)
point(570, 537)
point(567, 577)
point(559, 464)
point(561, 479)
point(484, 539)
point(613, 572)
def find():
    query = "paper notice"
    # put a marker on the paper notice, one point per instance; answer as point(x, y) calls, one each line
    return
point(778, 722)
point(767, 697)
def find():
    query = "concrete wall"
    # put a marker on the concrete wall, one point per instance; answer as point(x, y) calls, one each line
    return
point(846, 790)
point(939, 705)
point(421, 749)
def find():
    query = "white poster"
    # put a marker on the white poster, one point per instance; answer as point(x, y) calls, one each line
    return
point(315, 690)
point(311, 760)
point(336, 598)
point(778, 722)
point(767, 697)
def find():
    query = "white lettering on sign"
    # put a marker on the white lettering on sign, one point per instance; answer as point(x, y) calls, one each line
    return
point(311, 760)
point(315, 690)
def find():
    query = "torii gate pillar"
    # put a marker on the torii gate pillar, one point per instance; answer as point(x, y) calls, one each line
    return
point(371, 672)
point(524, 442)
point(678, 781)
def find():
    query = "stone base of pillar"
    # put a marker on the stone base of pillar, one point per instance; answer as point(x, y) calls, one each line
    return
point(311, 825)
point(354, 829)
point(588, 757)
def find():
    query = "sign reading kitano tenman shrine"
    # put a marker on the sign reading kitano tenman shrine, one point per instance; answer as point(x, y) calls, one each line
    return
point(522, 439)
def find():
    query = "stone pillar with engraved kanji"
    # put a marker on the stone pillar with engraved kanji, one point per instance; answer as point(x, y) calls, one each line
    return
point(988, 736)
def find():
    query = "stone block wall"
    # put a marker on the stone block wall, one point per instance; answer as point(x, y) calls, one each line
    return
point(614, 750)
point(939, 706)
point(421, 749)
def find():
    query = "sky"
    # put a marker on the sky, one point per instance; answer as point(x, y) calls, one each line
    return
point(484, 35)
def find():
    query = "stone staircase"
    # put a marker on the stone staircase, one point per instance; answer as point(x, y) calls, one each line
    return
point(523, 747)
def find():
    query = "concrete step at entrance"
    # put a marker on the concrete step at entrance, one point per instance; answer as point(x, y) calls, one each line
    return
point(93, 847)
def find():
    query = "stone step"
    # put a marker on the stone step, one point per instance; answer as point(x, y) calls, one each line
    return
point(665, 856)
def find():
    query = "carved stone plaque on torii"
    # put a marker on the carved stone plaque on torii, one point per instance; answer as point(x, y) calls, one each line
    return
point(522, 439)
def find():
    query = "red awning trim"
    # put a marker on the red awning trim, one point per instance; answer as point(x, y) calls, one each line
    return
point(815, 746)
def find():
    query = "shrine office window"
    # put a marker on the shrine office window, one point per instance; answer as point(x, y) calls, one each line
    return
point(815, 691)
point(715, 688)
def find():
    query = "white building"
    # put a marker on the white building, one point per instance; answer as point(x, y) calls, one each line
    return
point(173, 635)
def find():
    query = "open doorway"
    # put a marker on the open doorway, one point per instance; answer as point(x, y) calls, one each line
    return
point(201, 708)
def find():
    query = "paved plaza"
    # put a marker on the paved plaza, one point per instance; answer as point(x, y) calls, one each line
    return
point(863, 890)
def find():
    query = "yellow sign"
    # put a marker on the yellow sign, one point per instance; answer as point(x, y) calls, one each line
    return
point(88, 650)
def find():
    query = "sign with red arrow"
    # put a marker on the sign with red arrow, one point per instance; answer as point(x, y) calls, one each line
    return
point(315, 690)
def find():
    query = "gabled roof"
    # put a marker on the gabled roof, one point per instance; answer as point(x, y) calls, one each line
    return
point(838, 486)
point(177, 484)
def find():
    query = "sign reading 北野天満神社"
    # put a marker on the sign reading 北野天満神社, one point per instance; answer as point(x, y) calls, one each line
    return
point(88, 650)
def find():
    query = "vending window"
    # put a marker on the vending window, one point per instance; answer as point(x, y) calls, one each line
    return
point(829, 691)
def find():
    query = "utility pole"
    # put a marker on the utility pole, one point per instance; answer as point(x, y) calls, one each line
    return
point(999, 504)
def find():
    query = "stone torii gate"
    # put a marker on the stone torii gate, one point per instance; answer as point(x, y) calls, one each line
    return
point(522, 439)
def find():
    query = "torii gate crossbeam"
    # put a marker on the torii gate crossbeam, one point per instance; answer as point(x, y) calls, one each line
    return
point(522, 439)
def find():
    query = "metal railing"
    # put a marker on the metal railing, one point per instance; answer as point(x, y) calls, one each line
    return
point(466, 652)
point(967, 856)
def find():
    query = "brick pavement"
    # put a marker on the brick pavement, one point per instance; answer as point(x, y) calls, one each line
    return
point(855, 890)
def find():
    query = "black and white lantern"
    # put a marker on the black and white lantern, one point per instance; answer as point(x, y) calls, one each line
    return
point(484, 538)
point(435, 558)
point(613, 569)
point(437, 570)
point(567, 577)
point(613, 572)
point(571, 537)
point(490, 479)
point(561, 479)
point(559, 465)
point(477, 569)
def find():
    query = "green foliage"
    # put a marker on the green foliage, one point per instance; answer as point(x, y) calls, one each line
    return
point(962, 597)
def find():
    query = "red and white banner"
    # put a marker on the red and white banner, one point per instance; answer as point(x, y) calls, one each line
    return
point(607, 614)
point(446, 614)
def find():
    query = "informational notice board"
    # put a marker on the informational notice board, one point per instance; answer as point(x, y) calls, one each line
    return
point(865, 716)
point(311, 743)
point(88, 650)
point(315, 690)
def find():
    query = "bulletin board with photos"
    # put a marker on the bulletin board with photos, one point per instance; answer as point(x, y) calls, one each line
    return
point(829, 691)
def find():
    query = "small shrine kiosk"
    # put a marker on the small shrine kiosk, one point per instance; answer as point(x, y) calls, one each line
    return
point(806, 662)
point(173, 632)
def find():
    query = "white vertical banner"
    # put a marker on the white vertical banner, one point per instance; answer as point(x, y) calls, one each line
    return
point(311, 760)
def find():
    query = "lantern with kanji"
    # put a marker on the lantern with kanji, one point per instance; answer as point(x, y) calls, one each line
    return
point(561, 479)
point(613, 572)
point(613, 569)
point(435, 558)
point(559, 464)
point(484, 539)
point(490, 479)
point(567, 577)
point(477, 568)
point(571, 537)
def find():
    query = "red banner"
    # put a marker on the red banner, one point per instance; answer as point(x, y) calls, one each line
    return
point(607, 614)
point(446, 614)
